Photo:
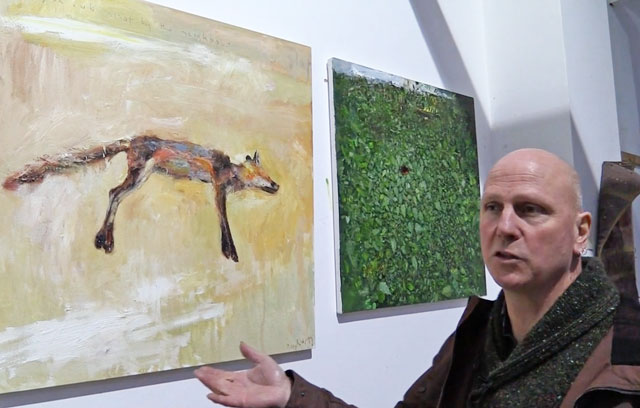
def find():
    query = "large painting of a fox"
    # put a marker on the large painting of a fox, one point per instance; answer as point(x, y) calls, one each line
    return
point(156, 192)
point(149, 154)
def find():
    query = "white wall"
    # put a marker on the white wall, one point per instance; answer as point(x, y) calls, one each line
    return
point(551, 84)
point(369, 359)
point(527, 77)
point(592, 97)
point(521, 62)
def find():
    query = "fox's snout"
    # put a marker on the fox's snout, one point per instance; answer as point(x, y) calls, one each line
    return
point(11, 184)
point(272, 188)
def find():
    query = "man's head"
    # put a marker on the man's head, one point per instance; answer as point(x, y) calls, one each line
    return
point(532, 227)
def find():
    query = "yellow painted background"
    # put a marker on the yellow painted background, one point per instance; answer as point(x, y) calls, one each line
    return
point(134, 68)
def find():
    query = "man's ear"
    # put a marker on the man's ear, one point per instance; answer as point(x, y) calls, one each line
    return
point(583, 225)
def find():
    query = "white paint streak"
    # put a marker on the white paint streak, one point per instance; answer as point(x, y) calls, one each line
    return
point(69, 29)
point(174, 122)
point(102, 339)
point(48, 213)
point(121, 40)
point(152, 291)
point(228, 67)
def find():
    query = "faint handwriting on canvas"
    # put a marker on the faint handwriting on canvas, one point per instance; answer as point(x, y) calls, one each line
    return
point(150, 154)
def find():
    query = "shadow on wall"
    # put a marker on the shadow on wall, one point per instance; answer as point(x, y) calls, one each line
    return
point(588, 181)
point(453, 72)
point(539, 131)
point(94, 387)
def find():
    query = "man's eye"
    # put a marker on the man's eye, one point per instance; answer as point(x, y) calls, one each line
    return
point(491, 207)
point(531, 209)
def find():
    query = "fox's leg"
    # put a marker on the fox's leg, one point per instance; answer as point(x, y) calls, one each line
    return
point(228, 248)
point(137, 174)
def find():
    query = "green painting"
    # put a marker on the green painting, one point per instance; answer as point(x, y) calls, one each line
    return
point(406, 172)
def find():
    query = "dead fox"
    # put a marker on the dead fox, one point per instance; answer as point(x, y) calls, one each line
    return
point(150, 154)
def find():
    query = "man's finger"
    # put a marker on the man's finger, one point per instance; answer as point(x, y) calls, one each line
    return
point(252, 354)
point(205, 374)
point(214, 379)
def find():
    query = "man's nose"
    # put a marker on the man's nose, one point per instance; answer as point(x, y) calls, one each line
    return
point(508, 223)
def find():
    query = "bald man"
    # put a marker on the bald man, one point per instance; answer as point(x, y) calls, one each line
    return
point(544, 342)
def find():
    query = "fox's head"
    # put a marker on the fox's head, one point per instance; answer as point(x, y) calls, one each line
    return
point(254, 176)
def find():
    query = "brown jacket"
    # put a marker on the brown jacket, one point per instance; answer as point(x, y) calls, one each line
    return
point(447, 383)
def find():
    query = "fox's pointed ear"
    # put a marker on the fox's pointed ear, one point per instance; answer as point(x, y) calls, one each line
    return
point(248, 158)
point(256, 157)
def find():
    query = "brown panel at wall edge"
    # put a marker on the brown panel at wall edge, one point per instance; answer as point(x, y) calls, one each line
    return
point(619, 186)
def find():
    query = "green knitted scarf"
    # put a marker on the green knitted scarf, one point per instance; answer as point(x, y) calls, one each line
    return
point(539, 371)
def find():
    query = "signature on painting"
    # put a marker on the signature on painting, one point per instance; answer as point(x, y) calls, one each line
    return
point(300, 343)
point(149, 154)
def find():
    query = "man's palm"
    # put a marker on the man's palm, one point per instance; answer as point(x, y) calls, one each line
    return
point(265, 385)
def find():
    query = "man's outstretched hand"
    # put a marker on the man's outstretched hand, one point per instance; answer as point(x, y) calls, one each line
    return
point(265, 385)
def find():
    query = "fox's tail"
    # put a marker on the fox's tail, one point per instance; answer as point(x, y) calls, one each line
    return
point(36, 172)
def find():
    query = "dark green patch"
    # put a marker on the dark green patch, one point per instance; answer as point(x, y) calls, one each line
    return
point(408, 195)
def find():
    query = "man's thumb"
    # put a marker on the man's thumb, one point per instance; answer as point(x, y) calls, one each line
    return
point(251, 354)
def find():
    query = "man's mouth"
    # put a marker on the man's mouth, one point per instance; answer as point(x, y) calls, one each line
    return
point(506, 255)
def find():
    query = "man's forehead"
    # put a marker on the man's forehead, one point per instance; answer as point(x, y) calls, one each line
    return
point(520, 185)
point(530, 171)
point(525, 172)
point(532, 161)
point(516, 172)
point(531, 157)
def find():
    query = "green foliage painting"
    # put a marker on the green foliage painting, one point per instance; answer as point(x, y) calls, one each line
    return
point(408, 191)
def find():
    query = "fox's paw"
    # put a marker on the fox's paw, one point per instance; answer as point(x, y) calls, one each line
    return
point(229, 251)
point(104, 241)
point(231, 255)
